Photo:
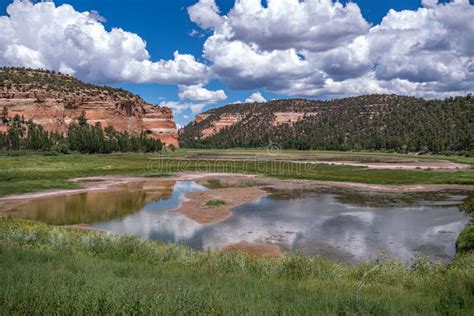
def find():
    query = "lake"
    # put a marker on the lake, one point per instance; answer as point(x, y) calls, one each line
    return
point(340, 224)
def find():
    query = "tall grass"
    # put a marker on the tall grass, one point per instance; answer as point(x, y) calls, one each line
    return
point(55, 270)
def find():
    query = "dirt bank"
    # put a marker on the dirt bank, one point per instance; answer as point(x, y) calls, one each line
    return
point(195, 204)
point(254, 248)
point(86, 185)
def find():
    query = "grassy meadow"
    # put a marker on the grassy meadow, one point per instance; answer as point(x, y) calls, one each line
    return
point(58, 270)
point(55, 270)
point(28, 173)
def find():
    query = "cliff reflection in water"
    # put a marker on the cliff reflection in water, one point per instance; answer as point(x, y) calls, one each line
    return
point(92, 207)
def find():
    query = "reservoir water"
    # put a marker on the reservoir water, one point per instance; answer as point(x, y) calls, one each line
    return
point(345, 225)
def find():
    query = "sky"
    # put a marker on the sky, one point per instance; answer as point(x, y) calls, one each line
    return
point(194, 55)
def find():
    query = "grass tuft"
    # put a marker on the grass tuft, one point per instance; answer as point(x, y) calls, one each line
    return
point(216, 202)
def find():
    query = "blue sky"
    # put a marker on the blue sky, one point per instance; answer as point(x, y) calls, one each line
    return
point(166, 26)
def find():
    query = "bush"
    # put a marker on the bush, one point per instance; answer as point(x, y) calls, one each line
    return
point(61, 148)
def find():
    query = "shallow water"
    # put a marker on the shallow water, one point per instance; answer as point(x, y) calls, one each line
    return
point(351, 227)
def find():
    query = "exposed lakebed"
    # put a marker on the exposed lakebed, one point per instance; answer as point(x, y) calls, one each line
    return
point(343, 224)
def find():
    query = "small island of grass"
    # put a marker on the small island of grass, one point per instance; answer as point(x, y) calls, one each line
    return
point(216, 202)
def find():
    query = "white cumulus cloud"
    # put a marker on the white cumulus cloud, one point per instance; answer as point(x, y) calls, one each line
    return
point(315, 25)
point(179, 107)
point(205, 13)
point(256, 97)
point(200, 94)
point(43, 35)
point(324, 48)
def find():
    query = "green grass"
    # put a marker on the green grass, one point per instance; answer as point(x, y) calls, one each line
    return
point(364, 156)
point(214, 203)
point(27, 173)
point(465, 242)
point(54, 270)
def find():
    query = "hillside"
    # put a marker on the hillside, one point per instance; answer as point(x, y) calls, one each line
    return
point(54, 100)
point(373, 122)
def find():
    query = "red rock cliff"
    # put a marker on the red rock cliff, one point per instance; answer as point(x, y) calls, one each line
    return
point(54, 101)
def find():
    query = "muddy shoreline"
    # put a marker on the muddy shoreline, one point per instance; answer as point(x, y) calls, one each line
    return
point(422, 165)
point(87, 184)
point(232, 194)
point(196, 208)
point(233, 190)
point(106, 183)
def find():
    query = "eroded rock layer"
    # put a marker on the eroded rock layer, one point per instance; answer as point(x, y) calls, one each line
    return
point(55, 100)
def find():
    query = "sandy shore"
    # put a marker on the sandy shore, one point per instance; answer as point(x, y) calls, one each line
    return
point(195, 204)
point(254, 248)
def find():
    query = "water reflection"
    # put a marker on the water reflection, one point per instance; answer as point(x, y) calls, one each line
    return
point(91, 207)
point(322, 225)
point(348, 226)
point(156, 222)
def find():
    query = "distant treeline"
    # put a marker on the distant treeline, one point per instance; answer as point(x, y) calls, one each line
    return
point(81, 137)
point(374, 122)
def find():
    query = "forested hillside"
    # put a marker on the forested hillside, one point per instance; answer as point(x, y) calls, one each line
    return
point(374, 122)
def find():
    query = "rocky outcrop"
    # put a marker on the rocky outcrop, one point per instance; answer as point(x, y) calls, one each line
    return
point(224, 121)
point(55, 101)
point(200, 117)
point(290, 117)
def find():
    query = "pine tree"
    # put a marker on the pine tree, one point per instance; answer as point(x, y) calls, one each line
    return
point(82, 120)
point(5, 116)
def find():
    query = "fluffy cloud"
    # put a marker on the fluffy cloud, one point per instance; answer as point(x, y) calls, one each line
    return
point(205, 13)
point(199, 97)
point(200, 94)
point(179, 107)
point(431, 48)
point(256, 97)
point(314, 25)
point(324, 48)
point(43, 35)
point(429, 3)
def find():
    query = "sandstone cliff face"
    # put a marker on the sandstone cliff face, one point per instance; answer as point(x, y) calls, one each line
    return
point(224, 121)
point(291, 117)
point(55, 101)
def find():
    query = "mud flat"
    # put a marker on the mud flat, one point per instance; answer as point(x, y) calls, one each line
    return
point(196, 208)
point(424, 165)
point(231, 178)
point(86, 184)
point(253, 192)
